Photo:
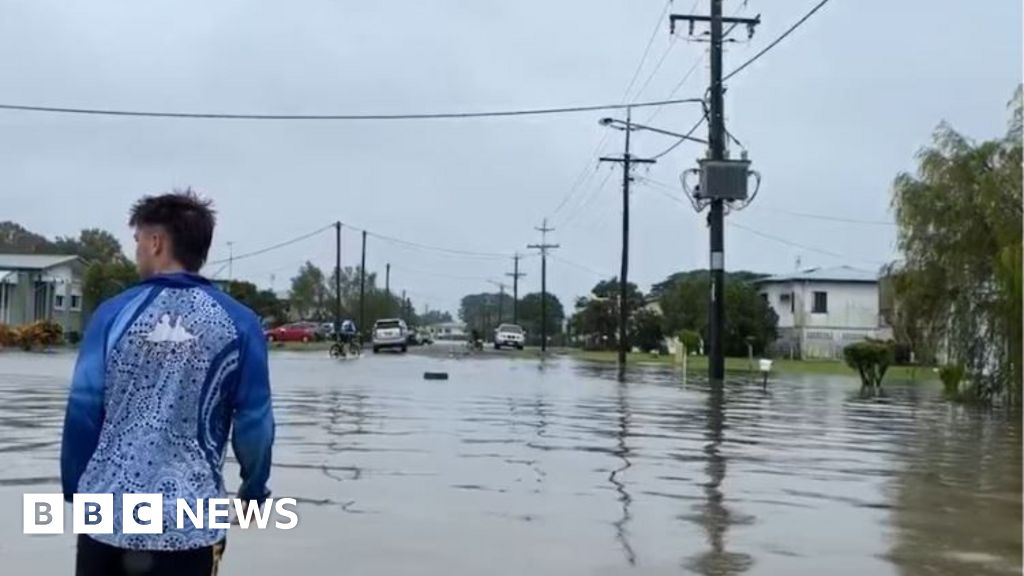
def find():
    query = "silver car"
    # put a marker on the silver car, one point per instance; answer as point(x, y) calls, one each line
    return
point(390, 333)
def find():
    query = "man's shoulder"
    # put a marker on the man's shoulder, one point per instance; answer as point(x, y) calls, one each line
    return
point(111, 306)
point(244, 318)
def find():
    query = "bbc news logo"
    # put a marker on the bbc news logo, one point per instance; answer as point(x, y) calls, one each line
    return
point(144, 514)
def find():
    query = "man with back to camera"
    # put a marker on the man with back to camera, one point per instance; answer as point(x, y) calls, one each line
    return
point(166, 369)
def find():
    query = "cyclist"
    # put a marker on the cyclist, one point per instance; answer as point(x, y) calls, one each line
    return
point(347, 336)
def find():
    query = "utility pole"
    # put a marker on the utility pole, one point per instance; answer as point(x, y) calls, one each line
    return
point(362, 288)
point(516, 275)
point(721, 180)
point(337, 281)
point(231, 261)
point(387, 279)
point(501, 299)
point(543, 247)
point(627, 162)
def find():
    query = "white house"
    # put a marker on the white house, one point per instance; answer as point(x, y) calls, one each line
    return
point(41, 287)
point(821, 310)
point(455, 331)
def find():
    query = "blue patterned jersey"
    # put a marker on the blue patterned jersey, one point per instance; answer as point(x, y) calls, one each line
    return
point(166, 371)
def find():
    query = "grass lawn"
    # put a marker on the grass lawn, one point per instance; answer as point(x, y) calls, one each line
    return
point(781, 366)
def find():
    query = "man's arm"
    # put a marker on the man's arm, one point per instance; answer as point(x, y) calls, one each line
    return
point(253, 429)
point(83, 418)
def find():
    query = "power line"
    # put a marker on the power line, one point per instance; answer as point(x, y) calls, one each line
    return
point(763, 234)
point(583, 175)
point(657, 67)
point(335, 117)
point(831, 218)
point(699, 123)
point(586, 174)
point(582, 267)
point(647, 49)
point(439, 274)
point(807, 215)
point(587, 200)
point(455, 251)
point(773, 43)
point(696, 63)
point(679, 86)
point(798, 245)
point(271, 248)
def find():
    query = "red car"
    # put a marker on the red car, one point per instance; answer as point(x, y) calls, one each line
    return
point(296, 332)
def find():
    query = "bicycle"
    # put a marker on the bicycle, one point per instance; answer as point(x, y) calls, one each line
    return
point(345, 349)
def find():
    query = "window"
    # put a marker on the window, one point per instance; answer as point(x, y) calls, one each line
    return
point(58, 301)
point(820, 303)
point(787, 298)
point(76, 302)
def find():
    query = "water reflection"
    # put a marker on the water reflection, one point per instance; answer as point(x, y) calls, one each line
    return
point(621, 451)
point(957, 504)
point(714, 516)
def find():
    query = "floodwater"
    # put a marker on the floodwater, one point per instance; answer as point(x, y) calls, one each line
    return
point(512, 467)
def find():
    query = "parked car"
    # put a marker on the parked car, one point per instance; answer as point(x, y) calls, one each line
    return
point(294, 332)
point(390, 333)
point(325, 331)
point(509, 335)
point(419, 336)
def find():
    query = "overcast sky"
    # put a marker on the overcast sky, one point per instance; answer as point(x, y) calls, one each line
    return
point(829, 118)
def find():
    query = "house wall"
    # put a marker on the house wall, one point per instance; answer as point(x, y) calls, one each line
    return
point(32, 296)
point(851, 316)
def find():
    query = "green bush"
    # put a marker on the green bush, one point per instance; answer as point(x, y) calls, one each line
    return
point(871, 359)
point(8, 337)
point(951, 375)
point(690, 339)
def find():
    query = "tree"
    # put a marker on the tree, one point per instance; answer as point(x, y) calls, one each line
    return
point(308, 292)
point(597, 318)
point(15, 239)
point(104, 280)
point(646, 330)
point(659, 289)
point(92, 245)
point(530, 316)
point(959, 221)
point(481, 311)
point(264, 303)
point(434, 317)
point(596, 323)
point(685, 306)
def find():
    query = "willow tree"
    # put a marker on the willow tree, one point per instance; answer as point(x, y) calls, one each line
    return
point(959, 223)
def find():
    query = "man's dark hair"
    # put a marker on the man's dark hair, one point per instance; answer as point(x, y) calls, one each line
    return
point(186, 218)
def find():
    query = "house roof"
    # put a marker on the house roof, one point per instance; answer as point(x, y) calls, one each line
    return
point(836, 274)
point(21, 262)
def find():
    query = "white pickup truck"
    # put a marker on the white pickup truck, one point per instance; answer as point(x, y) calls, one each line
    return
point(509, 335)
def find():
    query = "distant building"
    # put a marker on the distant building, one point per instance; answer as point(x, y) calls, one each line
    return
point(37, 287)
point(821, 310)
point(448, 331)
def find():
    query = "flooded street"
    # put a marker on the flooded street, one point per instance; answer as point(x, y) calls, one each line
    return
point(512, 468)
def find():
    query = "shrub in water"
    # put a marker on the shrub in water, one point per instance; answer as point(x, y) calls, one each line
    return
point(871, 359)
point(951, 375)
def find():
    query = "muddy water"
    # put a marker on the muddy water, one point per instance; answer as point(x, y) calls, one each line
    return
point(514, 468)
